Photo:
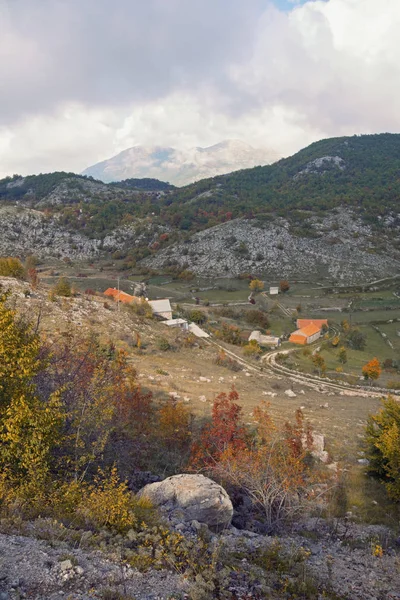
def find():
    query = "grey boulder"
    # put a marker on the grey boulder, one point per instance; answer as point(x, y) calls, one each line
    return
point(186, 498)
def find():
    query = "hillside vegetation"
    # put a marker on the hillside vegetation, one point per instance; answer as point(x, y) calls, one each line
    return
point(336, 201)
point(360, 172)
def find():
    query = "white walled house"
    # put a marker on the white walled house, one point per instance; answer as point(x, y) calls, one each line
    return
point(177, 323)
point(161, 308)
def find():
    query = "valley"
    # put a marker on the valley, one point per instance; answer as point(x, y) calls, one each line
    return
point(322, 232)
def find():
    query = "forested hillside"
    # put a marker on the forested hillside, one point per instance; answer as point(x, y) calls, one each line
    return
point(306, 195)
point(361, 172)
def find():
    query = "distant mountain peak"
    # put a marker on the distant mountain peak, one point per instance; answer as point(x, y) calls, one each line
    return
point(181, 167)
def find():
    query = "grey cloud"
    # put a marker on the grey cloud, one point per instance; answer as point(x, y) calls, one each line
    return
point(110, 52)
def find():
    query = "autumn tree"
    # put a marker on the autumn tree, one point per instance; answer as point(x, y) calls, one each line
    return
point(284, 286)
point(372, 370)
point(252, 348)
point(31, 273)
point(271, 469)
point(345, 325)
point(335, 341)
point(342, 355)
point(225, 429)
point(319, 362)
point(256, 285)
point(382, 439)
point(29, 424)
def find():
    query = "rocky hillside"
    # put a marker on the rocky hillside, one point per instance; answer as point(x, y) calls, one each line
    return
point(181, 167)
point(330, 211)
point(336, 246)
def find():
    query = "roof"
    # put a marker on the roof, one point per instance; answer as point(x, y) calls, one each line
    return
point(172, 322)
point(297, 339)
point(111, 292)
point(120, 296)
point(305, 322)
point(160, 306)
point(197, 331)
point(125, 298)
point(308, 331)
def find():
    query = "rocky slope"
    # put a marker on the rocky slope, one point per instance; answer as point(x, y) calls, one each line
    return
point(350, 562)
point(26, 231)
point(338, 246)
point(329, 212)
point(180, 167)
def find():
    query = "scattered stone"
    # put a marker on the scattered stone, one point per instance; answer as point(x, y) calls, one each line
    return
point(363, 461)
point(66, 565)
point(202, 399)
point(290, 393)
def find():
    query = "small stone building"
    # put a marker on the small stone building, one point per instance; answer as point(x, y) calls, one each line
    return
point(265, 340)
point(179, 323)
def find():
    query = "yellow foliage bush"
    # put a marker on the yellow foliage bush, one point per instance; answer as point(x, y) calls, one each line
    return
point(109, 503)
point(11, 267)
point(252, 349)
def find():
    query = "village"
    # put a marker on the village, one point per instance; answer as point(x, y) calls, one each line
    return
point(307, 332)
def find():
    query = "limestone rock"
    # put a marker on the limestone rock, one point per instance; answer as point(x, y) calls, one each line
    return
point(191, 498)
point(318, 448)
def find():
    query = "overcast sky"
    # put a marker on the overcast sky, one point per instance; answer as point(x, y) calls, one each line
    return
point(84, 79)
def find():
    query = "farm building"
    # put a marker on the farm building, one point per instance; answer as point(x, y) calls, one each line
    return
point(161, 308)
point(121, 296)
point(265, 340)
point(180, 323)
point(300, 323)
point(306, 335)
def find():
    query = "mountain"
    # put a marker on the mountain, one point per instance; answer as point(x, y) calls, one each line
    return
point(180, 167)
point(330, 211)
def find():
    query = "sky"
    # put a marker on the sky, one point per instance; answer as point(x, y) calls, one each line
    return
point(84, 79)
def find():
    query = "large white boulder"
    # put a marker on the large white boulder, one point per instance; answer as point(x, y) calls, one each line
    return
point(186, 498)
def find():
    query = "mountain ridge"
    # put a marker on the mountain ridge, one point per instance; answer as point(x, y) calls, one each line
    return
point(181, 167)
point(294, 206)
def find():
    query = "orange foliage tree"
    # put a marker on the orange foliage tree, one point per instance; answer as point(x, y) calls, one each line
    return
point(223, 432)
point(174, 425)
point(372, 370)
point(268, 465)
point(271, 469)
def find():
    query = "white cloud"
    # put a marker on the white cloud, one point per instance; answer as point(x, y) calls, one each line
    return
point(80, 84)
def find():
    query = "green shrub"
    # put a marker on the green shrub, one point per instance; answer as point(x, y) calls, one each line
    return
point(11, 267)
point(62, 288)
point(163, 344)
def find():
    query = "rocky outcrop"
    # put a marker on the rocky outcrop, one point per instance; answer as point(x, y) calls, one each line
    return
point(338, 246)
point(186, 498)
